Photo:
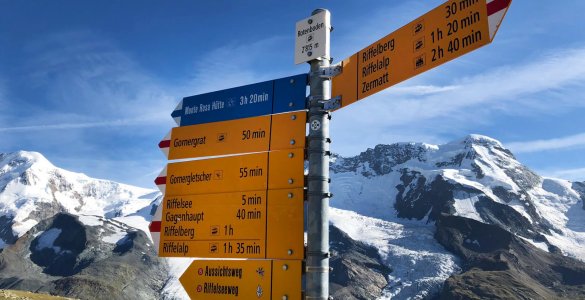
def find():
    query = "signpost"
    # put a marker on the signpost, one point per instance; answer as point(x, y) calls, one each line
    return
point(249, 172)
point(256, 134)
point(243, 279)
point(259, 99)
point(251, 205)
point(452, 29)
point(253, 224)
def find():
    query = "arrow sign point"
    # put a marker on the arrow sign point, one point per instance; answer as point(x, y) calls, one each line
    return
point(176, 114)
point(155, 227)
point(165, 144)
point(496, 10)
point(161, 180)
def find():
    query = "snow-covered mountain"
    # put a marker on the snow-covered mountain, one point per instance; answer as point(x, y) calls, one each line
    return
point(65, 233)
point(393, 195)
point(33, 189)
point(428, 220)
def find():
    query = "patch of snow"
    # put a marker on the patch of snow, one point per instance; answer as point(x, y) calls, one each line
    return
point(138, 222)
point(372, 196)
point(558, 187)
point(571, 243)
point(91, 220)
point(21, 228)
point(47, 240)
point(540, 245)
point(115, 237)
point(465, 206)
point(456, 176)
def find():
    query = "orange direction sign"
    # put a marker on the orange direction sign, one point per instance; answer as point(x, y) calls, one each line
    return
point(243, 279)
point(249, 172)
point(454, 28)
point(257, 134)
point(254, 224)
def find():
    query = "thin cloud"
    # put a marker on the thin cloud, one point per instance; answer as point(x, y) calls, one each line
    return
point(421, 90)
point(577, 174)
point(500, 89)
point(237, 64)
point(502, 86)
point(71, 125)
point(525, 89)
point(577, 140)
point(83, 74)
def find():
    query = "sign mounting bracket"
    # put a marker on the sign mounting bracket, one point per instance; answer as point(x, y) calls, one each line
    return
point(329, 72)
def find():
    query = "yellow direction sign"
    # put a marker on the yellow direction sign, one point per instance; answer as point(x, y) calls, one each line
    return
point(254, 224)
point(243, 279)
point(258, 171)
point(257, 134)
point(454, 28)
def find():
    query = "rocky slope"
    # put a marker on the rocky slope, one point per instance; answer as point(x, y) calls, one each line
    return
point(357, 271)
point(66, 255)
point(500, 265)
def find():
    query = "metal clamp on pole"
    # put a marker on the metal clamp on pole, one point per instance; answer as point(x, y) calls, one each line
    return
point(322, 178)
point(319, 254)
point(328, 104)
point(333, 103)
point(317, 270)
point(329, 72)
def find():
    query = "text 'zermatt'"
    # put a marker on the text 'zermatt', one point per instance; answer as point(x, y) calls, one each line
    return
point(373, 60)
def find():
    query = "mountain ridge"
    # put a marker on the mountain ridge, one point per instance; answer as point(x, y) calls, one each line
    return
point(474, 178)
point(394, 198)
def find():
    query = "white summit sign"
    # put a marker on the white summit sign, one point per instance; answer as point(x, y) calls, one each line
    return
point(312, 37)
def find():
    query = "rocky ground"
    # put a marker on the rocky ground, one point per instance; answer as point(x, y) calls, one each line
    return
point(357, 272)
point(66, 257)
point(499, 265)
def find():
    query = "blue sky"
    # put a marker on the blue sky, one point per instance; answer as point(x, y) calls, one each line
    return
point(91, 84)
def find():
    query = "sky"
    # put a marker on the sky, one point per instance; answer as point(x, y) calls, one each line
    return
point(91, 84)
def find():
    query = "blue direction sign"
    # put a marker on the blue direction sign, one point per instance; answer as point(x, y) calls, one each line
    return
point(264, 98)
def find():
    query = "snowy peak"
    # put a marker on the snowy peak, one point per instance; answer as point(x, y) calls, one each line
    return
point(477, 139)
point(32, 189)
point(472, 149)
point(382, 159)
point(490, 162)
point(23, 158)
point(474, 177)
point(21, 165)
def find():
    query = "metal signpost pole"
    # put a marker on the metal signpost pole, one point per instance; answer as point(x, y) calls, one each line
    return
point(317, 268)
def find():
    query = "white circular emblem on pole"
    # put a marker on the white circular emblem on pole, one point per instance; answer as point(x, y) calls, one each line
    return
point(315, 125)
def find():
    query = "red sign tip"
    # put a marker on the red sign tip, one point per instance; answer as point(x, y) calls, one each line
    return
point(164, 144)
point(160, 180)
